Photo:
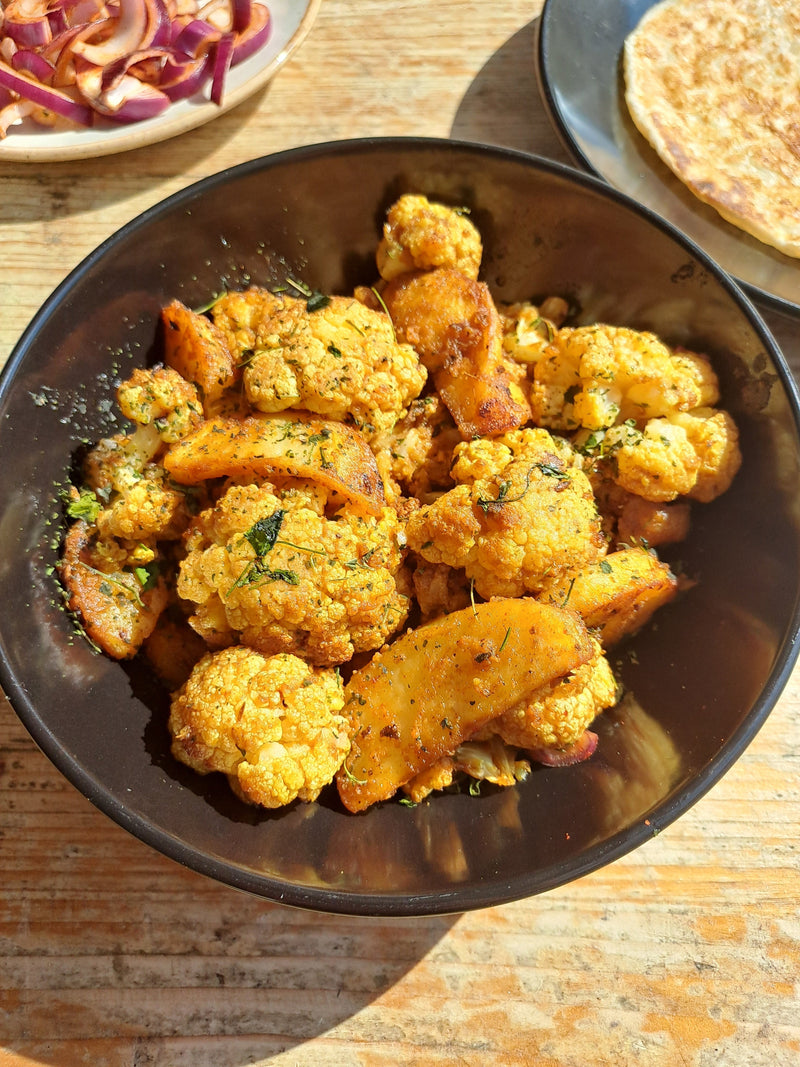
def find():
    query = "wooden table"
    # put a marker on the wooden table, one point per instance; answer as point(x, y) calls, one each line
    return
point(686, 952)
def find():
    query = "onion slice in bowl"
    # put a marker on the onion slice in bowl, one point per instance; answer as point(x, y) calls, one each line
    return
point(77, 61)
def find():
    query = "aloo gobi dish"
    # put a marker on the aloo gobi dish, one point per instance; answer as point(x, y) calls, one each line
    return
point(383, 542)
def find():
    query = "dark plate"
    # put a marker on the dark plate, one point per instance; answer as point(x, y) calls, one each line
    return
point(704, 679)
point(579, 67)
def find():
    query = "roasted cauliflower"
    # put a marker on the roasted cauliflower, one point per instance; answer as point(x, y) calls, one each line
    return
point(521, 511)
point(421, 235)
point(160, 397)
point(269, 568)
point(336, 358)
point(593, 377)
point(135, 500)
point(686, 454)
point(556, 718)
point(272, 724)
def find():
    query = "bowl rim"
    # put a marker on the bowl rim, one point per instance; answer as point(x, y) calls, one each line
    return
point(460, 899)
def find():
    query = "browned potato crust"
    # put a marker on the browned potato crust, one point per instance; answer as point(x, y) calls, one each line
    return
point(197, 350)
point(290, 446)
point(617, 595)
point(454, 325)
point(418, 699)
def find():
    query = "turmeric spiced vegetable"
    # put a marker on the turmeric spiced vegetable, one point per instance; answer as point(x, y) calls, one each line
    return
point(323, 496)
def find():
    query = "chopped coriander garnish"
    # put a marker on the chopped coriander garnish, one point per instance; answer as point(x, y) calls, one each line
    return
point(86, 507)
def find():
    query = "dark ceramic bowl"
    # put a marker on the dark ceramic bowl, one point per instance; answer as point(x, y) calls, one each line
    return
point(701, 680)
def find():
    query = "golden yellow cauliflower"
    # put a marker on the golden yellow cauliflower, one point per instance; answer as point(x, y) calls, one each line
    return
point(414, 456)
point(161, 397)
point(421, 235)
point(557, 718)
point(270, 723)
point(693, 453)
point(139, 504)
point(596, 376)
point(520, 513)
point(529, 330)
point(340, 359)
point(268, 567)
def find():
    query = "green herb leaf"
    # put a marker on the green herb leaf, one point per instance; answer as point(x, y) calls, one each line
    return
point(148, 575)
point(317, 301)
point(86, 507)
point(263, 534)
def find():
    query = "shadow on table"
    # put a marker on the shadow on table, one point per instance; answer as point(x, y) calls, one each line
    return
point(115, 955)
point(74, 186)
point(493, 114)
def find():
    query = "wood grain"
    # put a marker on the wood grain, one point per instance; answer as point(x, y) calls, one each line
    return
point(686, 952)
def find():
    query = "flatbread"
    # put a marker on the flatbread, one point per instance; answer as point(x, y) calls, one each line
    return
point(714, 86)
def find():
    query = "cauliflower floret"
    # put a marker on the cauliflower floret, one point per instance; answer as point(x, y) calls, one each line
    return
point(557, 717)
point(421, 235)
point(138, 502)
point(688, 453)
point(340, 360)
point(715, 438)
point(528, 330)
point(161, 397)
point(268, 567)
point(270, 723)
point(657, 463)
point(415, 455)
point(487, 760)
point(521, 513)
point(596, 376)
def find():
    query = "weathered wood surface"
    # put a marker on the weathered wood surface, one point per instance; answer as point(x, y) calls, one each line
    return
point(686, 952)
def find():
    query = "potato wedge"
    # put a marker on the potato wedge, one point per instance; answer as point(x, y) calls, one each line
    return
point(617, 595)
point(419, 698)
point(288, 446)
point(197, 350)
point(117, 615)
point(454, 325)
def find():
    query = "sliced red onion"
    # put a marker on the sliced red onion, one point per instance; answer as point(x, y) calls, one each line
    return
point(223, 57)
point(195, 38)
point(30, 62)
point(123, 59)
point(581, 750)
point(218, 13)
point(179, 80)
point(128, 34)
point(255, 36)
point(26, 23)
point(45, 96)
point(160, 24)
point(146, 65)
point(131, 101)
point(13, 113)
point(241, 15)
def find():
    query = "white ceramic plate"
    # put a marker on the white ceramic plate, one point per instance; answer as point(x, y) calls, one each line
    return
point(291, 22)
point(579, 48)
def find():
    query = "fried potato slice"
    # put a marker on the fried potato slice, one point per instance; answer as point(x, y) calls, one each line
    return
point(289, 446)
point(618, 594)
point(420, 697)
point(452, 322)
point(197, 350)
point(117, 615)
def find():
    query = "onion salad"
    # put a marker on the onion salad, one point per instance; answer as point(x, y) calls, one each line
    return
point(73, 62)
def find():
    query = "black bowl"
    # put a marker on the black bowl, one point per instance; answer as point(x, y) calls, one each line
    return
point(701, 680)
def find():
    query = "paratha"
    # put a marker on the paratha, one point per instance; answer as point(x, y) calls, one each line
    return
point(714, 86)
